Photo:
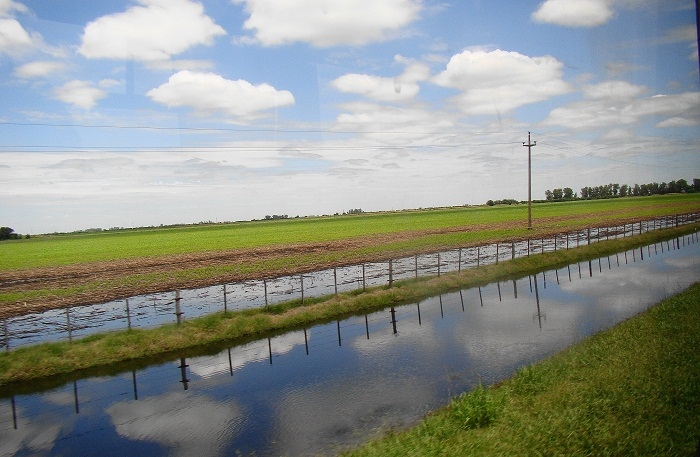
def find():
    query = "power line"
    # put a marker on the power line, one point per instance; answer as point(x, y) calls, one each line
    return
point(241, 129)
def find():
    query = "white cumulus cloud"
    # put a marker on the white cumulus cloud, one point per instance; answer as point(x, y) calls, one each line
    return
point(387, 89)
point(7, 7)
point(13, 37)
point(619, 103)
point(157, 30)
point(574, 13)
point(500, 81)
point(325, 23)
point(79, 93)
point(209, 93)
point(39, 69)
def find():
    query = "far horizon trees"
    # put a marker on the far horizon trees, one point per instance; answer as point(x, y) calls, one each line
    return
point(614, 190)
point(7, 233)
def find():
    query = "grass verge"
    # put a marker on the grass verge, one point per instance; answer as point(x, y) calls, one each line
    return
point(631, 390)
point(213, 331)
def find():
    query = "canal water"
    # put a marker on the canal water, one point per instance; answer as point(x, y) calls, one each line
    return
point(321, 389)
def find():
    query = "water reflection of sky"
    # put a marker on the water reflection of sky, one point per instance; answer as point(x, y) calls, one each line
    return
point(330, 386)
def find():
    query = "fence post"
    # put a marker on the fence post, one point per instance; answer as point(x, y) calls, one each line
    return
point(415, 259)
point(364, 279)
point(225, 304)
point(512, 250)
point(7, 335)
point(589, 235)
point(70, 330)
point(265, 290)
point(478, 256)
point(391, 273)
point(335, 279)
point(128, 315)
point(496, 252)
point(178, 312)
point(301, 280)
point(459, 260)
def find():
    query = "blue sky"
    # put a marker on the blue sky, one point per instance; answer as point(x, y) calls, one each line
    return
point(149, 112)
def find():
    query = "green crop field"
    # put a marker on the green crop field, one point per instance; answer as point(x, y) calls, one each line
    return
point(48, 251)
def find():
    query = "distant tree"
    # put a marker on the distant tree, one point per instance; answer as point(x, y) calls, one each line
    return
point(615, 189)
point(548, 195)
point(568, 193)
point(624, 190)
point(558, 194)
point(491, 203)
point(696, 184)
point(6, 233)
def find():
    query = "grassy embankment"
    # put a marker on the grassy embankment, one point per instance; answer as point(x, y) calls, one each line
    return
point(349, 239)
point(214, 332)
point(631, 390)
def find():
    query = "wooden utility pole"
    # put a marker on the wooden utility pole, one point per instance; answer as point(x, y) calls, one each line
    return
point(529, 146)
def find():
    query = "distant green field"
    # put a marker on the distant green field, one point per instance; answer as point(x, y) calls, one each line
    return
point(44, 251)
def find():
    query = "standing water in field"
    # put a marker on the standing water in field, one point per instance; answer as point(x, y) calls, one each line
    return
point(320, 389)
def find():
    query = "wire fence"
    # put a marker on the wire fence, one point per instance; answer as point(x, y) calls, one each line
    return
point(152, 310)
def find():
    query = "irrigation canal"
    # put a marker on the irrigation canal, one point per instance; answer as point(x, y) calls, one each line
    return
point(329, 386)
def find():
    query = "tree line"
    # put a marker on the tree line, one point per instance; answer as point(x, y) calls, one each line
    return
point(614, 190)
point(6, 233)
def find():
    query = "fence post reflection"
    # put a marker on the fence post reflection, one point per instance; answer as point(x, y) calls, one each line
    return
point(75, 394)
point(537, 300)
point(230, 362)
point(133, 379)
point(14, 412)
point(183, 373)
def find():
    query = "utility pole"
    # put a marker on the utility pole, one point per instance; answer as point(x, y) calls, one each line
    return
point(529, 146)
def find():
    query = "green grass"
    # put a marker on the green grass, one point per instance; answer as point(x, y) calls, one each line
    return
point(47, 251)
point(107, 349)
point(631, 390)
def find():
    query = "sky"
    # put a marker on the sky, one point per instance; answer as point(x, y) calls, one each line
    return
point(148, 112)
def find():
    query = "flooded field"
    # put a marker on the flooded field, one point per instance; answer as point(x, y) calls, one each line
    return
point(147, 311)
point(319, 389)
